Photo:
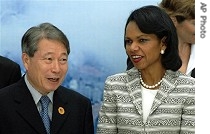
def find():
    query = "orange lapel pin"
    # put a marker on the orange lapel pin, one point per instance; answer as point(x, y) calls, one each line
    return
point(61, 110)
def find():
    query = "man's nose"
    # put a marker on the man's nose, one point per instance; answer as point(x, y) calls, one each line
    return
point(56, 66)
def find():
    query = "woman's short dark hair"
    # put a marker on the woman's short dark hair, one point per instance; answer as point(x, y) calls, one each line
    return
point(153, 20)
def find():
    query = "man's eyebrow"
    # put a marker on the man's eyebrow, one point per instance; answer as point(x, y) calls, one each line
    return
point(49, 53)
point(64, 54)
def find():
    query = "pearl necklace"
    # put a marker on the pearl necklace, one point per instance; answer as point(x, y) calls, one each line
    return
point(147, 86)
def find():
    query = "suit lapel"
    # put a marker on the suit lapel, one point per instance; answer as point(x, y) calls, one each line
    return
point(26, 107)
point(60, 110)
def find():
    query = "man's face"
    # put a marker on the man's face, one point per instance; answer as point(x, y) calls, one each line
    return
point(46, 70)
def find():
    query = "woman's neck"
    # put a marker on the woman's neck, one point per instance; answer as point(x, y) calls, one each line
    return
point(152, 77)
point(184, 53)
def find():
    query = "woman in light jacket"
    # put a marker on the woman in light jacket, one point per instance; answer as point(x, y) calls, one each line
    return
point(153, 97)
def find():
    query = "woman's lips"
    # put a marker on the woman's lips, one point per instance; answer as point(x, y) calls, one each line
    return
point(136, 58)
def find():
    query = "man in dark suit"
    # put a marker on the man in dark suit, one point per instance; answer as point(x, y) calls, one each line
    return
point(45, 51)
point(9, 72)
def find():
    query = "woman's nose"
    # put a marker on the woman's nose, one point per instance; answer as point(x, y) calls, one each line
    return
point(134, 46)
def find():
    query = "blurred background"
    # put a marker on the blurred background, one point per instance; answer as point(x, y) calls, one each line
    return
point(95, 29)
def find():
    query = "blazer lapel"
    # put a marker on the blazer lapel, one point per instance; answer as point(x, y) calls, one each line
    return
point(167, 85)
point(134, 89)
point(27, 109)
point(60, 110)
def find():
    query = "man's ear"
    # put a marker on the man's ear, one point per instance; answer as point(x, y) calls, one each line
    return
point(26, 60)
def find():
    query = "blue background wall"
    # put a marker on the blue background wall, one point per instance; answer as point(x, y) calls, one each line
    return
point(95, 29)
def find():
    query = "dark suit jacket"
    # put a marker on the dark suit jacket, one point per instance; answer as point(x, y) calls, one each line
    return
point(19, 114)
point(9, 72)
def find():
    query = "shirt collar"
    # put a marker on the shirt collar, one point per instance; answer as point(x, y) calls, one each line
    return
point(35, 94)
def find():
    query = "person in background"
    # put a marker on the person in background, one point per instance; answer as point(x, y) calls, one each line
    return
point(10, 72)
point(182, 13)
point(38, 104)
point(153, 97)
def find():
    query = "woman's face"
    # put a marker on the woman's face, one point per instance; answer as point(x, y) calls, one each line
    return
point(143, 49)
point(186, 31)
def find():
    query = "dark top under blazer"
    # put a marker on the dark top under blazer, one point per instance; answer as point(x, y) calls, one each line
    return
point(19, 114)
point(9, 72)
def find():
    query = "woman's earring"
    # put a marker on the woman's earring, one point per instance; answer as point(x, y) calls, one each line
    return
point(162, 51)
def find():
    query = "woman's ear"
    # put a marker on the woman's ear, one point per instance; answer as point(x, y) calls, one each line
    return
point(163, 43)
point(173, 18)
point(163, 40)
